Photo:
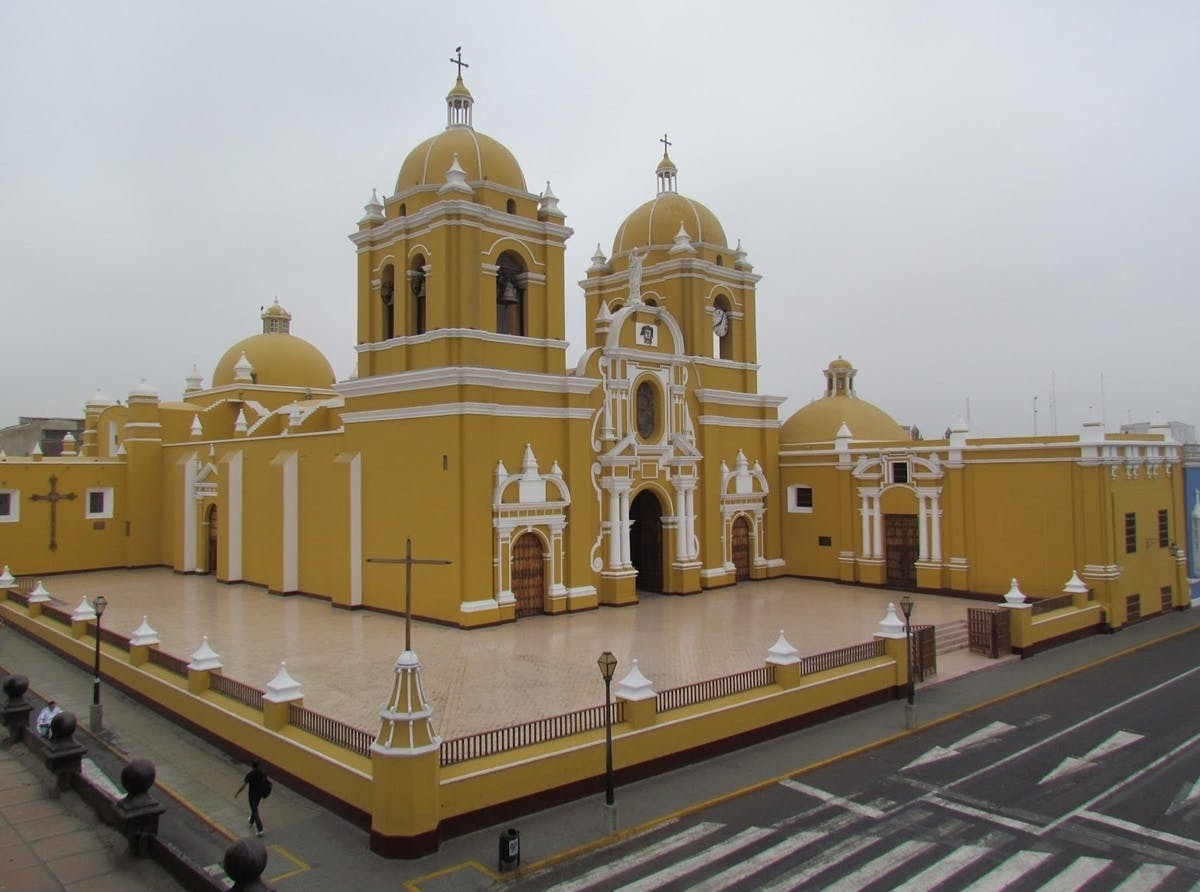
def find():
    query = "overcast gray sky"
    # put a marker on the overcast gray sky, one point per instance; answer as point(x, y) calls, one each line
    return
point(965, 199)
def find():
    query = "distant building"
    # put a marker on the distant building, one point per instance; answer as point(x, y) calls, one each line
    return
point(1180, 432)
point(45, 433)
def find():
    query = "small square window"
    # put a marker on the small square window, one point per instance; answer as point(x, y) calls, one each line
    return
point(10, 505)
point(800, 499)
point(825, 541)
point(99, 503)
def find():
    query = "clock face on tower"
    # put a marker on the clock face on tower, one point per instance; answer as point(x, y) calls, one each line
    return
point(720, 322)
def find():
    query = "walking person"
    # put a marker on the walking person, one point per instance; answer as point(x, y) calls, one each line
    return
point(260, 788)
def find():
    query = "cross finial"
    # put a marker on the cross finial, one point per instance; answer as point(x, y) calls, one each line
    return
point(666, 142)
point(458, 61)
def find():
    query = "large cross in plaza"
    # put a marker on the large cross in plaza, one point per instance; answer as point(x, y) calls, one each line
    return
point(408, 560)
point(53, 497)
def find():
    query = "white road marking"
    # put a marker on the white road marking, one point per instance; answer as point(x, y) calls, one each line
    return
point(821, 863)
point(943, 870)
point(1071, 764)
point(880, 867)
point(1008, 872)
point(1146, 878)
point(1188, 794)
point(1080, 724)
point(1080, 872)
point(739, 872)
point(1137, 775)
point(673, 872)
point(970, 810)
point(866, 811)
point(984, 734)
point(605, 872)
point(1137, 829)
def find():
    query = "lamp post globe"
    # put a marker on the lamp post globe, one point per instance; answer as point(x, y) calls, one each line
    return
point(608, 665)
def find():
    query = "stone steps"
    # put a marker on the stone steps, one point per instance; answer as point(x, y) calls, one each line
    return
point(952, 636)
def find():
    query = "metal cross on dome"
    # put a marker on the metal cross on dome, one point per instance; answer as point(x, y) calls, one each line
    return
point(53, 497)
point(666, 142)
point(459, 62)
point(408, 560)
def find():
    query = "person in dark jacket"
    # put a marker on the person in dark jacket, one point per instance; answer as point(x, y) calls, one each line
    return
point(256, 780)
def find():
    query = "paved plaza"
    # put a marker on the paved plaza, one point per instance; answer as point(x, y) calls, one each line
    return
point(489, 678)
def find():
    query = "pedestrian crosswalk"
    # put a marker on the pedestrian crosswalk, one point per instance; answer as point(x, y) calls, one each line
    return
point(713, 857)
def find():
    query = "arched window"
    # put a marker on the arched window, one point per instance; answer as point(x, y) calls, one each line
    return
point(647, 410)
point(416, 283)
point(722, 323)
point(720, 260)
point(387, 296)
point(511, 207)
point(651, 302)
point(403, 209)
point(510, 294)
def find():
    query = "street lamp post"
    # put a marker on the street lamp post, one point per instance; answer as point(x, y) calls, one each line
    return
point(97, 716)
point(608, 665)
point(906, 604)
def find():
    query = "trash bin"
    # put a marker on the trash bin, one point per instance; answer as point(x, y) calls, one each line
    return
point(510, 849)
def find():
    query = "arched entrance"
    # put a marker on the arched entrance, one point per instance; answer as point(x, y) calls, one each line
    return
point(741, 547)
point(646, 541)
point(528, 575)
point(210, 568)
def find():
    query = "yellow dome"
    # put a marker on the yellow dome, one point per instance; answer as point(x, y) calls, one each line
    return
point(278, 360)
point(482, 157)
point(820, 420)
point(657, 222)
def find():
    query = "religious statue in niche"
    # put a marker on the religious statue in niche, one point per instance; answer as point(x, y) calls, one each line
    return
point(635, 276)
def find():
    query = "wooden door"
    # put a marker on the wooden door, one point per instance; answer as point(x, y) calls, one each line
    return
point(528, 575)
point(646, 541)
point(211, 568)
point(903, 548)
point(741, 548)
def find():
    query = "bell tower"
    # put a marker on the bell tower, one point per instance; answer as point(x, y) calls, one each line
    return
point(462, 265)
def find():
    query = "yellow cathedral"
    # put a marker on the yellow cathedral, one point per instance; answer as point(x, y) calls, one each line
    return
point(653, 464)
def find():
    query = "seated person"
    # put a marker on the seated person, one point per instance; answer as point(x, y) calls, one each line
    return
point(46, 716)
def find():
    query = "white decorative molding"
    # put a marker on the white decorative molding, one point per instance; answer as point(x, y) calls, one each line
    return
point(478, 606)
point(464, 408)
point(233, 516)
point(468, 376)
point(730, 421)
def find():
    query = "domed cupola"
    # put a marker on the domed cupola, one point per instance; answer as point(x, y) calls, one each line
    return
point(822, 420)
point(274, 358)
point(657, 222)
point(481, 158)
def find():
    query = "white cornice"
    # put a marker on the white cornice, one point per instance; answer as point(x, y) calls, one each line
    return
point(245, 387)
point(468, 376)
point(472, 334)
point(444, 410)
point(726, 364)
point(465, 213)
point(736, 398)
point(704, 269)
point(727, 421)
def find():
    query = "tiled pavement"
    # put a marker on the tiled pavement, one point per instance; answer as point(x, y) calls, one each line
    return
point(48, 844)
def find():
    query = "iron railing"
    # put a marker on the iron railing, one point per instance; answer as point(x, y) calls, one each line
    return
point(168, 662)
point(236, 690)
point(698, 692)
point(500, 740)
point(844, 656)
point(1045, 605)
point(331, 730)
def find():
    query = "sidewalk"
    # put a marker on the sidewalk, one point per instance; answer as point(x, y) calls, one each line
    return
point(311, 849)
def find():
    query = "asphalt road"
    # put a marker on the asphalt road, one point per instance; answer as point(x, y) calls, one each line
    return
point(1092, 781)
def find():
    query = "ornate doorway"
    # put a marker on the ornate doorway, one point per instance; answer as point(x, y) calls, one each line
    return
point(741, 547)
point(528, 575)
point(210, 568)
point(903, 548)
point(646, 541)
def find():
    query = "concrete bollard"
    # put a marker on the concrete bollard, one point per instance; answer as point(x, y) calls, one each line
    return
point(138, 812)
point(244, 863)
